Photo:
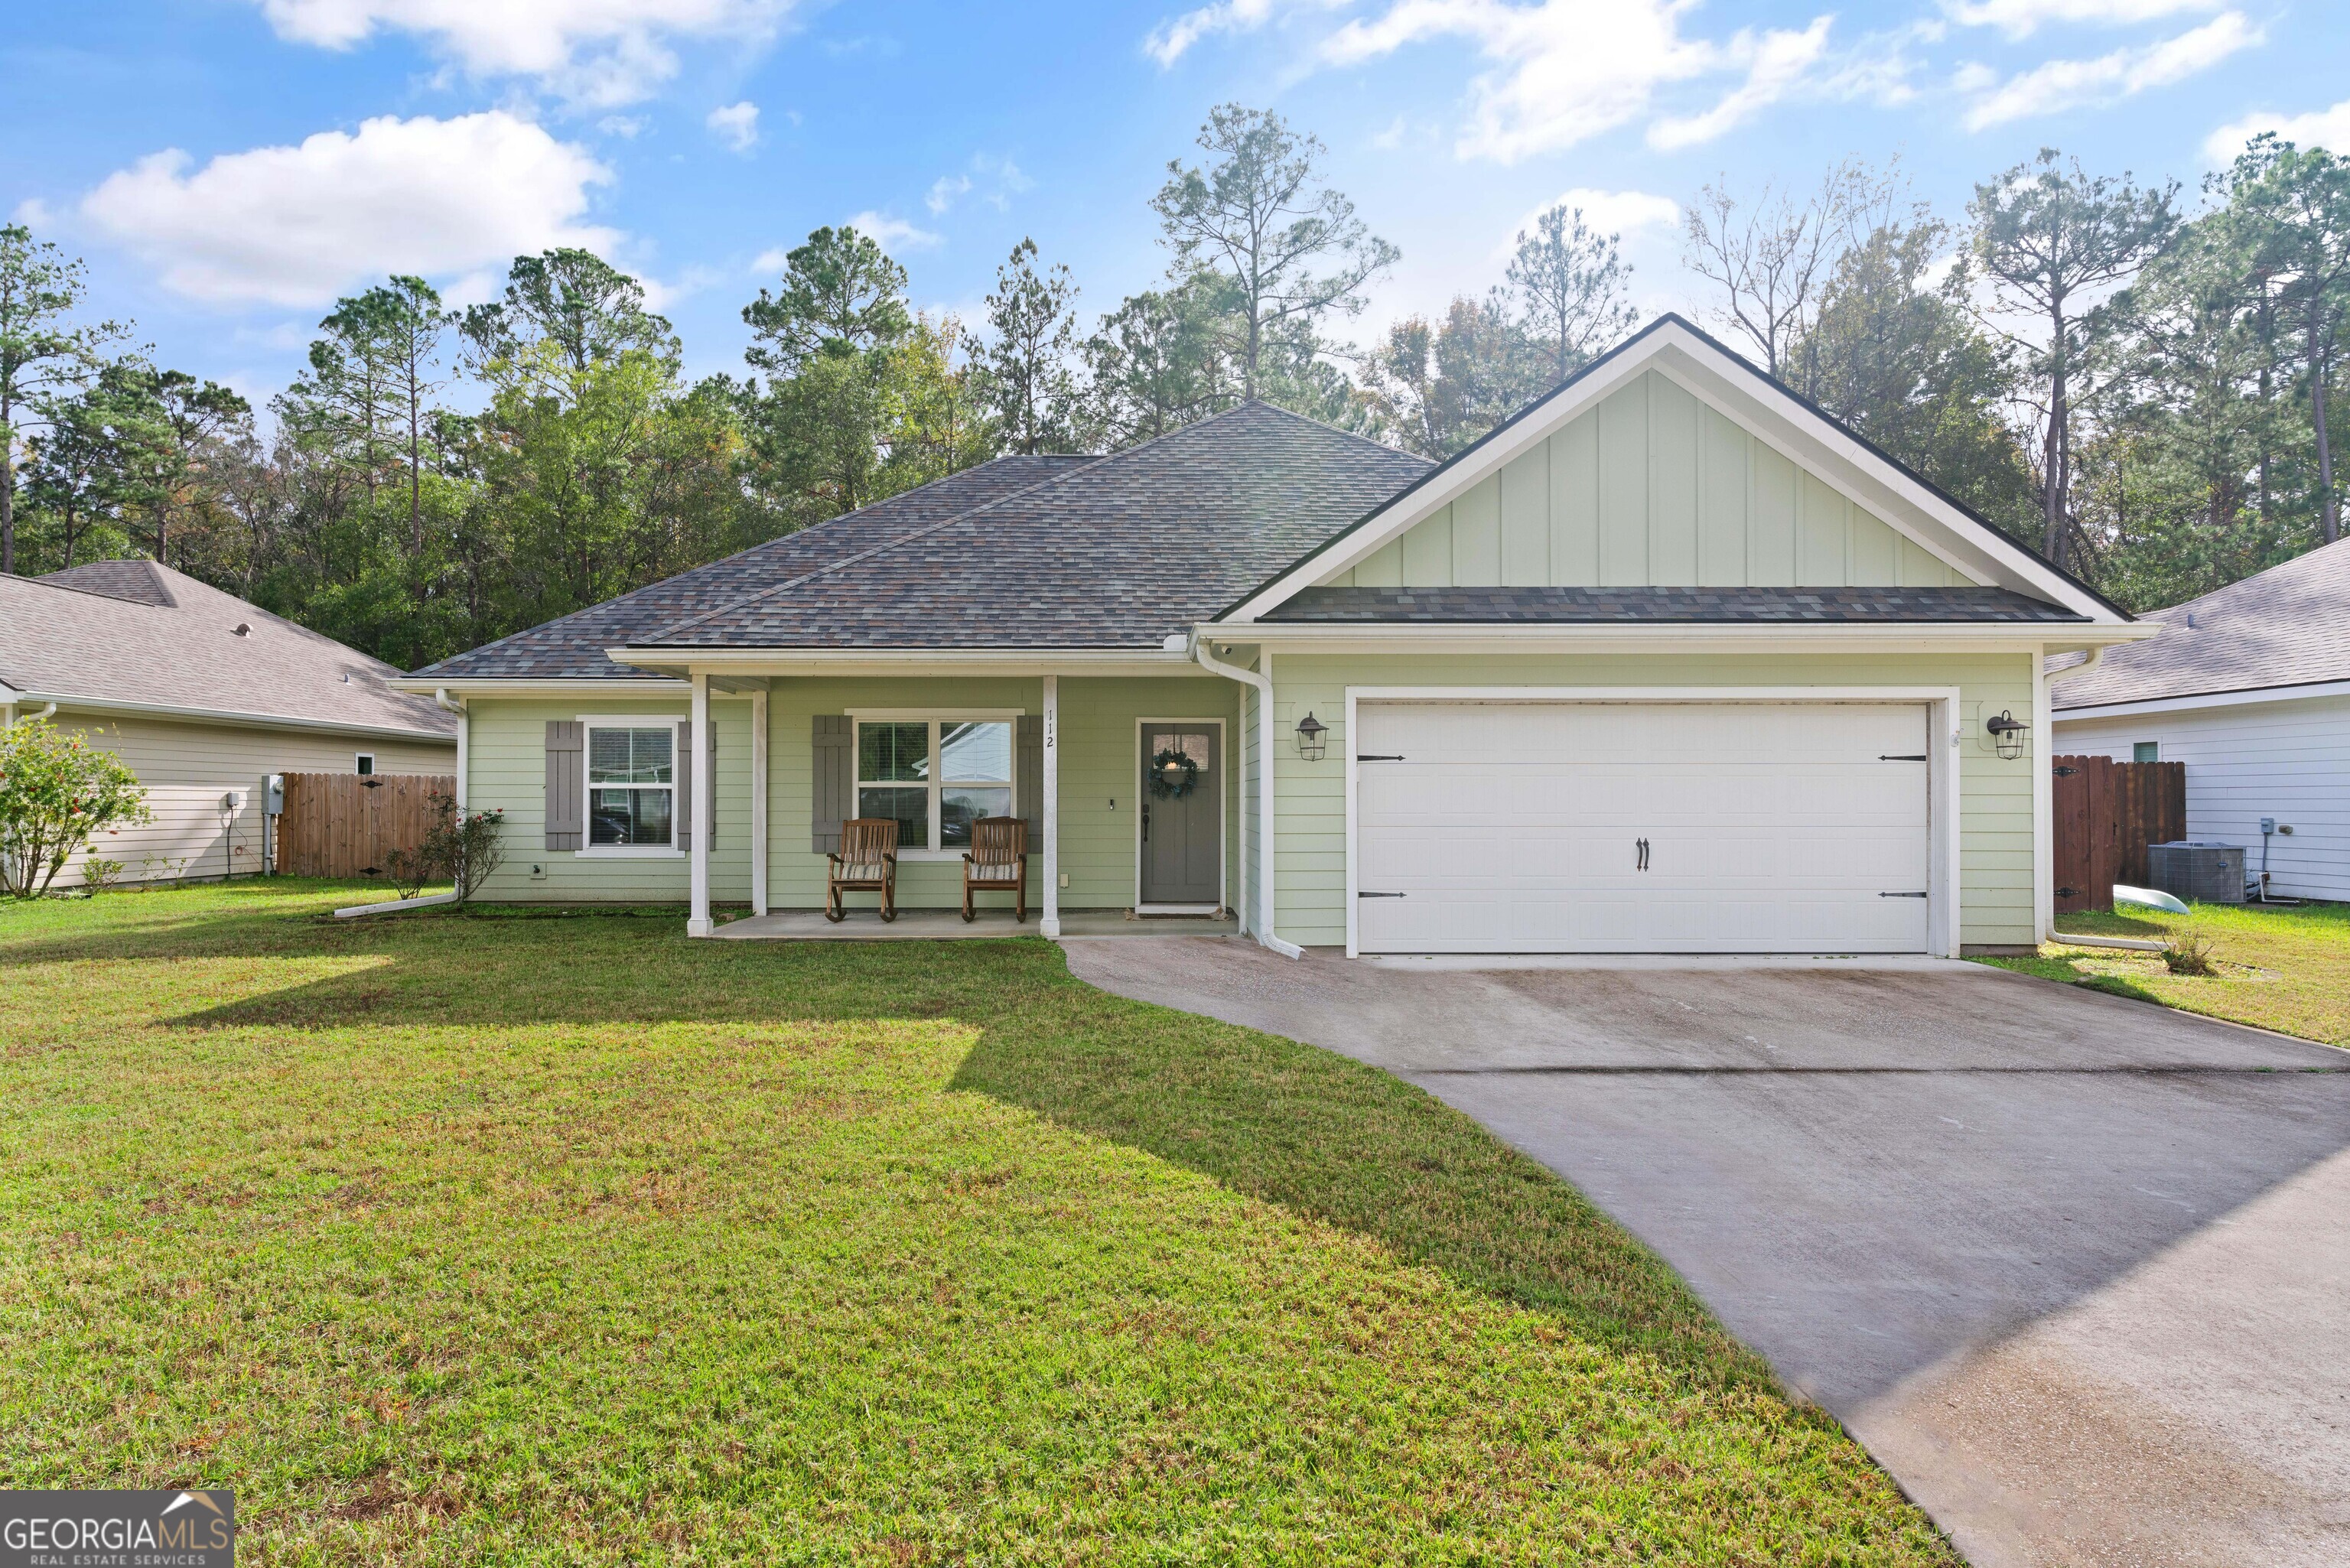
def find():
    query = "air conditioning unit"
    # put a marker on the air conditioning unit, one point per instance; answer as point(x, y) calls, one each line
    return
point(2197, 871)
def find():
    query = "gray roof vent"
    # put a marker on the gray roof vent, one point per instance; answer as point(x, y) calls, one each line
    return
point(243, 628)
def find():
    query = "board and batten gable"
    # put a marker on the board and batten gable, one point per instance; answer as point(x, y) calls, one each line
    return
point(1650, 487)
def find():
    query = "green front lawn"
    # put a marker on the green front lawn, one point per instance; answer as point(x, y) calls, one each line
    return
point(2281, 968)
point(453, 1238)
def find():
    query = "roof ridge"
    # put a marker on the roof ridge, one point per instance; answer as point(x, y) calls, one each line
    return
point(1335, 429)
point(872, 550)
point(569, 615)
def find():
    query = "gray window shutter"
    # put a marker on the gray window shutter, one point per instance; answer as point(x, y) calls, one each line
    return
point(832, 792)
point(567, 779)
point(681, 810)
point(1028, 775)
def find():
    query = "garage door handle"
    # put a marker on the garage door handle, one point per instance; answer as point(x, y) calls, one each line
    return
point(1360, 895)
point(1642, 864)
point(1920, 757)
point(1902, 895)
point(1377, 757)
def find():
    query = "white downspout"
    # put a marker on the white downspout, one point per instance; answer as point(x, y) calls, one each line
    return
point(1263, 682)
point(47, 709)
point(465, 736)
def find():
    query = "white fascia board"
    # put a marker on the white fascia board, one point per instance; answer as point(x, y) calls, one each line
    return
point(1877, 636)
point(2187, 704)
point(910, 660)
point(1450, 483)
point(489, 686)
point(1766, 411)
point(239, 718)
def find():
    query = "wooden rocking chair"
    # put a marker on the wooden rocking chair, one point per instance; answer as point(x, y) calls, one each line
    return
point(997, 861)
point(867, 863)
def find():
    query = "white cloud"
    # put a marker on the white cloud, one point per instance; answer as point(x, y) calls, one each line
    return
point(628, 126)
point(891, 234)
point(2326, 127)
point(945, 191)
point(1776, 64)
point(1624, 212)
point(1172, 39)
point(736, 125)
point(2060, 85)
point(2021, 18)
point(298, 225)
point(599, 52)
point(1557, 71)
point(997, 180)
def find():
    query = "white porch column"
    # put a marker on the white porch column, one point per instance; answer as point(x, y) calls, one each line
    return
point(697, 919)
point(759, 800)
point(1051, 924)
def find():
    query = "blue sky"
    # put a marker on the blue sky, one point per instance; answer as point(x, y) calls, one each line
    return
point(227, 167)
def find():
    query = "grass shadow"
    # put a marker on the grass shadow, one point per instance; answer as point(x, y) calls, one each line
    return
point(1352, 1147)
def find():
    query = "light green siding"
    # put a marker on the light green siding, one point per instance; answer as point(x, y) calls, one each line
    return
point(1100, 774)
point(1995, 796)
point(508, 758)
point(1651, 488)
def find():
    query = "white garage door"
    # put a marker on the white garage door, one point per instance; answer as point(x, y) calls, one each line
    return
point(1641, 828)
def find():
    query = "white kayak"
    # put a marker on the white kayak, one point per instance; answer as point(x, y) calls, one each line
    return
point(2148, 898)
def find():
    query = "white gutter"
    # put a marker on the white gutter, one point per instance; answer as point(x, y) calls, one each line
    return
point(243, 719)
point(1779, 637)
point(464, 736)
point(2187, 702)
point(1263, 682)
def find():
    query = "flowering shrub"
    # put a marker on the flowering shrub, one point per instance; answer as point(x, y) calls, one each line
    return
point(57, 792)
point(461, 845)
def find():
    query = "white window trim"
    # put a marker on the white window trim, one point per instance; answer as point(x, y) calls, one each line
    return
point(589, 724)
point(934, 716)
point(368, 758)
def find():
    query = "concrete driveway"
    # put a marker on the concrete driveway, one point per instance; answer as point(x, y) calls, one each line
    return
point(2075, 1269)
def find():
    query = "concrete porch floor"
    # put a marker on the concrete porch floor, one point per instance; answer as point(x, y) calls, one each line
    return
point(865, 924)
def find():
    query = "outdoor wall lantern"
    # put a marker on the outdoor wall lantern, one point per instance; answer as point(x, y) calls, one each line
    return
point(2008, 732)
point(1312, 736)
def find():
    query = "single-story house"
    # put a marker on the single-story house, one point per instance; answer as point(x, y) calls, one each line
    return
point(1671, 661)
point(205, 696)
point(2250, 687)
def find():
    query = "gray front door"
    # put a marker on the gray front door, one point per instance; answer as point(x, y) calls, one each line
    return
point(1182, 835)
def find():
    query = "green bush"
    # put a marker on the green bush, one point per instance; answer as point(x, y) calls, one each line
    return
point(57, 792)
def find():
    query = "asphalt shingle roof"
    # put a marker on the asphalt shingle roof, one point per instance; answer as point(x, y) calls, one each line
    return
point(2289, 625)
point(1117, 553)
point(573, 647)
point(136, 632)
point(1586, 605)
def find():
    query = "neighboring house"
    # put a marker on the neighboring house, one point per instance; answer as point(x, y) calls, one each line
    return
point(2250, 687)
point(205, 696)
point(1671, 661)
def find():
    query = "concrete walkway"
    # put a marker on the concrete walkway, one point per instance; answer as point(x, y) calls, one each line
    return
point(2075, 1267)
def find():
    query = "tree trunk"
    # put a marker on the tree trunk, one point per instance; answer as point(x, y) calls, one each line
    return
point(7, 487)
point(2053, 453)
point(2329, 514)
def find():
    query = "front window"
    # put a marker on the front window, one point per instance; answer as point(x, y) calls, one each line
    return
point(934, 776)
point(631, 786)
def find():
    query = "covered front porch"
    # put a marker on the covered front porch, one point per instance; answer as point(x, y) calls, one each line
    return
point(1113, 849)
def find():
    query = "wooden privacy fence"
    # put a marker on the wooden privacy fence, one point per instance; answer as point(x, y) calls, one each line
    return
point(340, 825)
point(2106, 813)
